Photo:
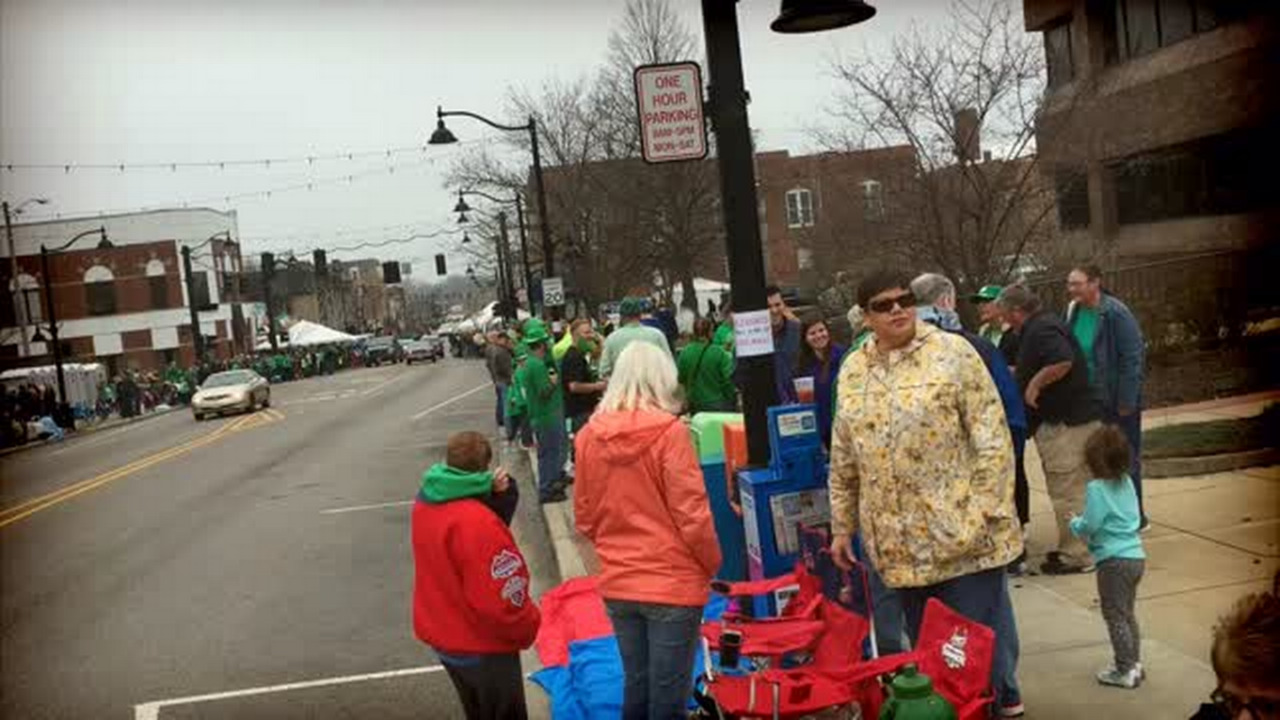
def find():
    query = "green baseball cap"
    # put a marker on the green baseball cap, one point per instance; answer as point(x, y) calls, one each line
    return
point(988, 293)
point(631, 307)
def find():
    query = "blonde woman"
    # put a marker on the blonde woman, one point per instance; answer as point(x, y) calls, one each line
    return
point(640, 499)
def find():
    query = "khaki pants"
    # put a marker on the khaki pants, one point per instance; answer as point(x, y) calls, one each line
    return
point(1066, 474)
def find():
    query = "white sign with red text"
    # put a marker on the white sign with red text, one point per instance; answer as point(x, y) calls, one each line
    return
point(669, 103)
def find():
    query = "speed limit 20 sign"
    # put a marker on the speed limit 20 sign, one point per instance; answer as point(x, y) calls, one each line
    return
point(552, 292)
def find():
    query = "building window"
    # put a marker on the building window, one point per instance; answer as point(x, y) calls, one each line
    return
point(159, 286)
point(100, 291)
point(200, 289)
point(1143, 26)
point(1072, 194)
point(1058, 58)
point(29, 296)
point(1218, 175)
point(872, 200)
point(799, 208)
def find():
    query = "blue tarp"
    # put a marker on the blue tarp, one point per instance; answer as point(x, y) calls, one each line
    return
point(590, 686)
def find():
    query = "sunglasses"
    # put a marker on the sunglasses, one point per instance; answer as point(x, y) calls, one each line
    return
point(906, 301)
point(1258, 708)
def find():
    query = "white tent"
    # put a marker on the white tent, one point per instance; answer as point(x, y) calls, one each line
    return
point(83, 380)
point(304, 333)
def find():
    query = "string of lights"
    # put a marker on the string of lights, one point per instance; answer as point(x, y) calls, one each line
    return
point(265, 162)
point(227, 199)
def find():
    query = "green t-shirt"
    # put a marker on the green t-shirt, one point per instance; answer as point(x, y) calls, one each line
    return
point(1085, 328)
point(712, 386)
point(545, 400)
point(724, 336)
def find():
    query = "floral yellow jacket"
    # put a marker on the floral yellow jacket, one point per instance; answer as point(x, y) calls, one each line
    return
point(922, 461)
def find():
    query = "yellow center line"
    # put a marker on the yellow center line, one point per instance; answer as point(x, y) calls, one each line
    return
point(13, 514)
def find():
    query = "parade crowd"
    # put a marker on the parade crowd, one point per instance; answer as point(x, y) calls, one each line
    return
point(926, 423)
point(27, 411)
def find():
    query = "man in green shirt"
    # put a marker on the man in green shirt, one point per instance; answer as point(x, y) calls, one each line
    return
point(541, 385)
point(631, 331)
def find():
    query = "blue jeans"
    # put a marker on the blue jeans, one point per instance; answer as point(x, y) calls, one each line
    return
point(886, 607)
point(982, 597)
point(657, 644)
point(1131, 426)
point(551, 449)
point(500, 411)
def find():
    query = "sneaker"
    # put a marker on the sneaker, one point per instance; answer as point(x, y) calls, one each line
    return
point(1056, 566)
point(557, 495)
point(1018, 567)
point(1014, 710)
point(1142, 671)
point(1115, 678)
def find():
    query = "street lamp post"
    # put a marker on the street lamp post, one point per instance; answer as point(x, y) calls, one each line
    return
point(19, 298)
point(51, 312)
point(197, 338)
point(443, 136)
point(728, 106)
point(504, 249)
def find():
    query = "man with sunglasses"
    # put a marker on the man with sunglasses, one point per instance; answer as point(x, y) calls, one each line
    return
point(922, 468)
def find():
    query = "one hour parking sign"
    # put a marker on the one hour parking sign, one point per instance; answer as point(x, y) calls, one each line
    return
point(669, 101)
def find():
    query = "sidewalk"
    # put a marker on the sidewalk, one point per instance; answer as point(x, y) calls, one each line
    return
point(91, 428)
point(1214, 538)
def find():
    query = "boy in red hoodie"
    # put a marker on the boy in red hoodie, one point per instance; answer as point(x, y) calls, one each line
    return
point(471, 596)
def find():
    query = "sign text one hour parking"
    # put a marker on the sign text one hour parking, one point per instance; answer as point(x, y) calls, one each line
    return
point(669, 101)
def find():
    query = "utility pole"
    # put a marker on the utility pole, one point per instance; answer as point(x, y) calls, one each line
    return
point(197, 338)
point(524, 255)
point(728, 104)
point(19, 297)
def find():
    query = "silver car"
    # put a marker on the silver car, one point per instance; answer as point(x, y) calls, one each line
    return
point(231, 391)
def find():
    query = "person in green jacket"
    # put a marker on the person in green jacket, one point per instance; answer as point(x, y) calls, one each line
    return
point(517, 406)
point(706, 372)
point(541, 384)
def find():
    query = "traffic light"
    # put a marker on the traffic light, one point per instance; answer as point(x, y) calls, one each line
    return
point(390, 273)
point(440, 269)
point(318, 259)
point(268, 264)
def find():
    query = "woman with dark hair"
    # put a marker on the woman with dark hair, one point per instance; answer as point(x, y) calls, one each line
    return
point(820, 359)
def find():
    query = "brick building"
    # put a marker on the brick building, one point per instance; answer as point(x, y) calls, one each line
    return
point(1158, 131)
point(126, 306)
point(824, 212)
point(818, 213)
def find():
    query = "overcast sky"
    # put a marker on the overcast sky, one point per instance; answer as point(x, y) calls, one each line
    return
point(159, 81)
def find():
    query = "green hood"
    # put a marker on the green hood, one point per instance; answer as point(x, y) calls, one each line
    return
point(442, 483)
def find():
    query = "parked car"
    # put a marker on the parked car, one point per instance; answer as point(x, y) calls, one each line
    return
point(231, 391)
point(436, 343)
point(418, 351)
point(381, 351)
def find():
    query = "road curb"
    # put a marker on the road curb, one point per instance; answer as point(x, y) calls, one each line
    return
point(1208, 464)
point(90, 430)
point(573, 556)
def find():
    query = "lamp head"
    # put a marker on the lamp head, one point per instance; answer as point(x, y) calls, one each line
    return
point(806, 16)
point(442, 135)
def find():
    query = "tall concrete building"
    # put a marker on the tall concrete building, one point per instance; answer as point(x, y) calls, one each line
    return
point(1159, 127)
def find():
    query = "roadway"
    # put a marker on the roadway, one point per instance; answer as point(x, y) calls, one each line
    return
point(254, 566)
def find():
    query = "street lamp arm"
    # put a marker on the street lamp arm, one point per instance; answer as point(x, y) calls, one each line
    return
point(100, 231)
point(491, 198)
point(221, 234)
point(464, 113)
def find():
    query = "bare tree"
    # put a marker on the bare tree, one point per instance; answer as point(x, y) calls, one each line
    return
point(965, 99)
point(615, 221)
